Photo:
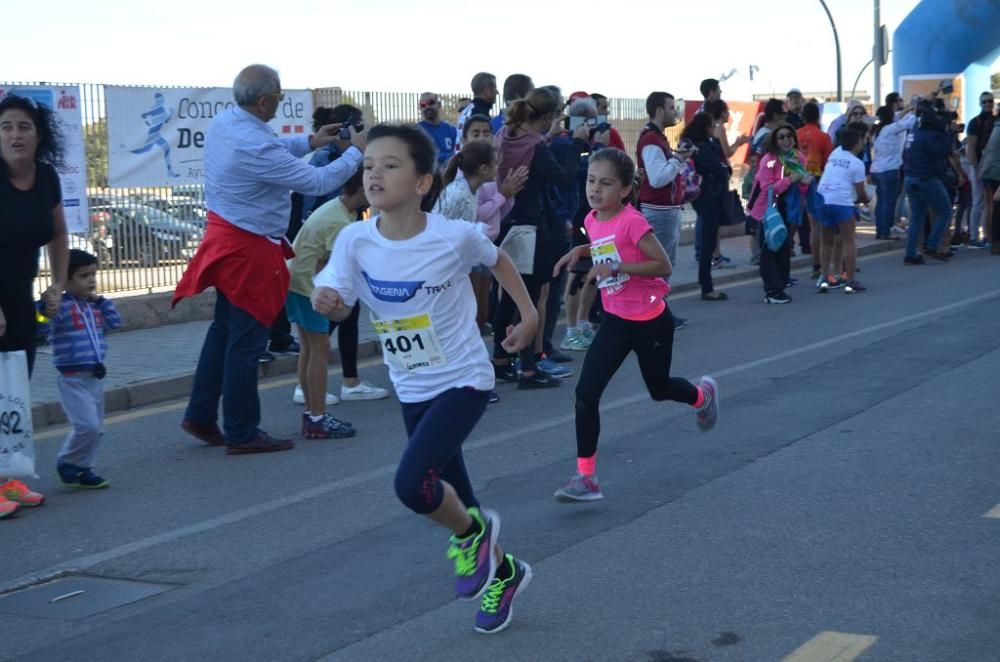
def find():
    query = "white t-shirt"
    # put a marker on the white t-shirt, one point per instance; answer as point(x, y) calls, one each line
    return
point(421, 302)
point(843, 170)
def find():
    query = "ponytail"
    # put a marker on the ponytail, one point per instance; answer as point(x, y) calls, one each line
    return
point(430, 198)
point(451, 170)
point(539, 103)
point(473, 156)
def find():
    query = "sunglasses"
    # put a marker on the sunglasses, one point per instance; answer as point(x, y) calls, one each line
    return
point(429, 103)
point(986, 102)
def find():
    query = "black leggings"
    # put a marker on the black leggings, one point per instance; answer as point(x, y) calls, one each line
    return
point(347, 342)
point(775, 266)
point(506, 311)
point(19, 311)
point(437, 429)
point(652, 341)
point(710, 211)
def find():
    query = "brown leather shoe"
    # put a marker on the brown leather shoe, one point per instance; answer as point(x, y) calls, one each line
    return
point(209, 434)
point(262, 443)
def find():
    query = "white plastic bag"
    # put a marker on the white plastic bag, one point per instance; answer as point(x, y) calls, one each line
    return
point(17, 446)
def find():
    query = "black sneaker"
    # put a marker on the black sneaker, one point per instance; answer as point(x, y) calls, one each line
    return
point(80, 477)
point(679, 322)
point(777, 297)
point(505, 372)
point(291, 348)
point(913, 259)
point(266, 357)
point(538, 380)
point(854, 286)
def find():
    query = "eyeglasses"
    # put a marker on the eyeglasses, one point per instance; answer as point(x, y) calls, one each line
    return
point(428, 103)
point(277, 96)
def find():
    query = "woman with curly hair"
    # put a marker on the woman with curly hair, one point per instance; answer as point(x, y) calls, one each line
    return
point(31, 216)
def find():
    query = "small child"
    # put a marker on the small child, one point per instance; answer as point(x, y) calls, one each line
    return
point(78, 352)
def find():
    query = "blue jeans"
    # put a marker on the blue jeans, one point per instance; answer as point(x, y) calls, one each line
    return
point(887, 190)
point(227, 369)
point(926, 195)
point(666, 224)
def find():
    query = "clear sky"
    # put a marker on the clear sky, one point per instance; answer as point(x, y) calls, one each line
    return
point(621, 48)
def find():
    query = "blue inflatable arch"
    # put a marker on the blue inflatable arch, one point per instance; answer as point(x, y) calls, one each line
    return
point(950, 37)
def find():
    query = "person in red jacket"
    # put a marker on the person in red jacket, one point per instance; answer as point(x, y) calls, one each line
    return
point(248, 174)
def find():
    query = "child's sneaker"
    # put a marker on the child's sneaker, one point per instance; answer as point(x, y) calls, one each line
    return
point(326, 427)
point(80, 477)
point(497, 608)
point(475, 556)
point(708, 413)
point(18, 492)
point(579, 488)
point(8, 507)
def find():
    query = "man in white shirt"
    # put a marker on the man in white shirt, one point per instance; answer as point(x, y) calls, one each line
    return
point(249, 171)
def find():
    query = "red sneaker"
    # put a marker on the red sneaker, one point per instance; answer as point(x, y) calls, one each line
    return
point(15, 490)
point(7, 507)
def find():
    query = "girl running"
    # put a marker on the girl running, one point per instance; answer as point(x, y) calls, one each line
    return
point(411, 270)
point(629, 266)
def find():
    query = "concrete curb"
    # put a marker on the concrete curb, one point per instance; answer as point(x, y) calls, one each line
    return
point(154, 391)
point(163, 389)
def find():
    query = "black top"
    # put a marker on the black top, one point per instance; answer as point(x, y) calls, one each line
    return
point(711, 164)
point(981, 126)
point(26, 223)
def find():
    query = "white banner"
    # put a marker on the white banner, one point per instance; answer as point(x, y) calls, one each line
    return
point(156, 137)
point(65, 101)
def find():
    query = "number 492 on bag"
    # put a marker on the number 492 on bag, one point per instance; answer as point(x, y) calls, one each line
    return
point(410, 343)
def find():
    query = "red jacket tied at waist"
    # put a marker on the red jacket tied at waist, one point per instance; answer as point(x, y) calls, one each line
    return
point(249, 269)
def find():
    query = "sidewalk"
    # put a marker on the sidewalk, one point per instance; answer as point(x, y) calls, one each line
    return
point(157, 364)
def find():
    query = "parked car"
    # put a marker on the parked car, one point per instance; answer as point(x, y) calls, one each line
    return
point(148, 236)
point(182, 208)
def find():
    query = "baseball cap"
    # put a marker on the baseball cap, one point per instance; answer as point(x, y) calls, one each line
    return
point(579, 94)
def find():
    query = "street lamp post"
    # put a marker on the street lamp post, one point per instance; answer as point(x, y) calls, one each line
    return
point(836, 43)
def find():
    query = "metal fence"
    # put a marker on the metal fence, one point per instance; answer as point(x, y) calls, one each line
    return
point(137, 260)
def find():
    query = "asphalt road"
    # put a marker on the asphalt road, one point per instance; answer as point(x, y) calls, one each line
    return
point(837, 512)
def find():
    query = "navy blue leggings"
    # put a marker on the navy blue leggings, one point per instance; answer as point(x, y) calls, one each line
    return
point(437, 429)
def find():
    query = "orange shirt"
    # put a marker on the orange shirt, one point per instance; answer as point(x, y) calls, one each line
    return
point(816, 145)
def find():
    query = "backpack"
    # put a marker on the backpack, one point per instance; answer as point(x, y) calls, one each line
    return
point(775, 232)
point(686, 186)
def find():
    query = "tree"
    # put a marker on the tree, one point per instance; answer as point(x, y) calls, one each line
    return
point(95, 140)
point(995, 80)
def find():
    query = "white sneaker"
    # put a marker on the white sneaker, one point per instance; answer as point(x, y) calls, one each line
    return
point(299, 397)
point(363, 391)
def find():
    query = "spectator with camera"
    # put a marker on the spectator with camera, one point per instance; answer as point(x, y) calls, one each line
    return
point(533, 234)
point(925, 163)
point(978, 135)
point(604, 121)
point(444, 135)
point(890, 137)
point(573, 206)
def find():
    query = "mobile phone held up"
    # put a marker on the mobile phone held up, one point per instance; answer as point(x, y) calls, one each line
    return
point(572, 123)
point(352, 121)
